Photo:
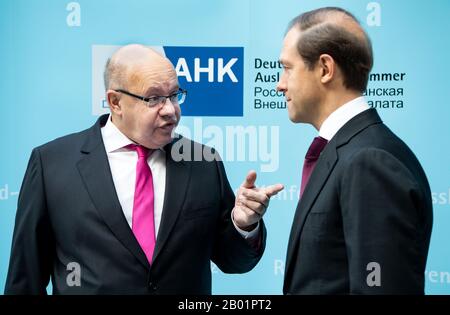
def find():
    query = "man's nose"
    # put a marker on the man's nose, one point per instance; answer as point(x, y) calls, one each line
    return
point(281, 85)
point(168, 108)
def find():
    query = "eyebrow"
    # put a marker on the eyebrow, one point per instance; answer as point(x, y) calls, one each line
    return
point(157, 90)
point(283, 62)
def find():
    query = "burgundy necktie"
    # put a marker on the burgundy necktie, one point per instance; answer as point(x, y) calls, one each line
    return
point(143, 224)
point(310, 160)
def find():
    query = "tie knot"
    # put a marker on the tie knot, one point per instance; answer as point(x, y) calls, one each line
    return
point(315, 148)
point(141, 151)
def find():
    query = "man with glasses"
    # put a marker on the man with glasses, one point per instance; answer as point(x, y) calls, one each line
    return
point(114, 210)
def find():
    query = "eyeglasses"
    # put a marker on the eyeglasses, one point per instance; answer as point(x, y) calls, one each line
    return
point(152, 101)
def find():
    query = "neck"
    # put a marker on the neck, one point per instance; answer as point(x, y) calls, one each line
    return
point(116, 121)
point(331, 102)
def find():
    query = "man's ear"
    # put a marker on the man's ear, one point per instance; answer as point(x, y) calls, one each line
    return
point(327, 68)
point(113, 99)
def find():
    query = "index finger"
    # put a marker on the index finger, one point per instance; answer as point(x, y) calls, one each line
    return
point(273, 190)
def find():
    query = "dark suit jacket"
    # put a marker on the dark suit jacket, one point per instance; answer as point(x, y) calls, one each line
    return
point(367, 200)
point(68, 211)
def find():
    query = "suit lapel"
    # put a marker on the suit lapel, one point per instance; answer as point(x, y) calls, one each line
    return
point(319, 176)
point(96, 174)
point(177, 182)
point(321, 172)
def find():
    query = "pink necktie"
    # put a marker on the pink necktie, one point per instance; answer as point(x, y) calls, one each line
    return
point(310, 160)
point(143, 225)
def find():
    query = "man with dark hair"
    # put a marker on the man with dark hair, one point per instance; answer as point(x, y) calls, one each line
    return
point(364, 219)
point(115, 210)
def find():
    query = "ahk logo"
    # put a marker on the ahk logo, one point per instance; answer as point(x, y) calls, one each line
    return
point(213, 77)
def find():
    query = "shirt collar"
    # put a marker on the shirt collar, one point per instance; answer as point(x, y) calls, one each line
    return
point(113, 138)
point(341, 116)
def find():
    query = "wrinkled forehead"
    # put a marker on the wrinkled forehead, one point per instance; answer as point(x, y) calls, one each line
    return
point(153, 78)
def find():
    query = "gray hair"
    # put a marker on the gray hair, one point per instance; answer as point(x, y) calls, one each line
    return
point(113, 74)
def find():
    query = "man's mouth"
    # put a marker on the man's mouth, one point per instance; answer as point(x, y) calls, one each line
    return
point(167, 126)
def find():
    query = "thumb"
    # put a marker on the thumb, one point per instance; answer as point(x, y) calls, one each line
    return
point(250, 180)
point(273, 190)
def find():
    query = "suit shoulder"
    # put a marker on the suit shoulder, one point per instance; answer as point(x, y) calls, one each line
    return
point(378, 138)
point(383, 163)
point(369, 154)
point(377, 145)
point(73, 140)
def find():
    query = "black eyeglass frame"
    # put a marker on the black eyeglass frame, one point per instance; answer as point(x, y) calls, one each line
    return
point(160, 99)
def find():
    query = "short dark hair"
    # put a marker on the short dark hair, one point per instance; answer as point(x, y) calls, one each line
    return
point(352, 53)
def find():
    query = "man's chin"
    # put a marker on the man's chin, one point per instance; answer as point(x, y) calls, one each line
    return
point(158, 140)
point(294, 118)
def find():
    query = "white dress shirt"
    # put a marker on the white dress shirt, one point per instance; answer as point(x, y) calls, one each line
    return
point(122, 162)
point(341, 116)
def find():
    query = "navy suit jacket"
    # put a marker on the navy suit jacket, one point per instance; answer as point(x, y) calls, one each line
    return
point(364, 222)
point(68, 211)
